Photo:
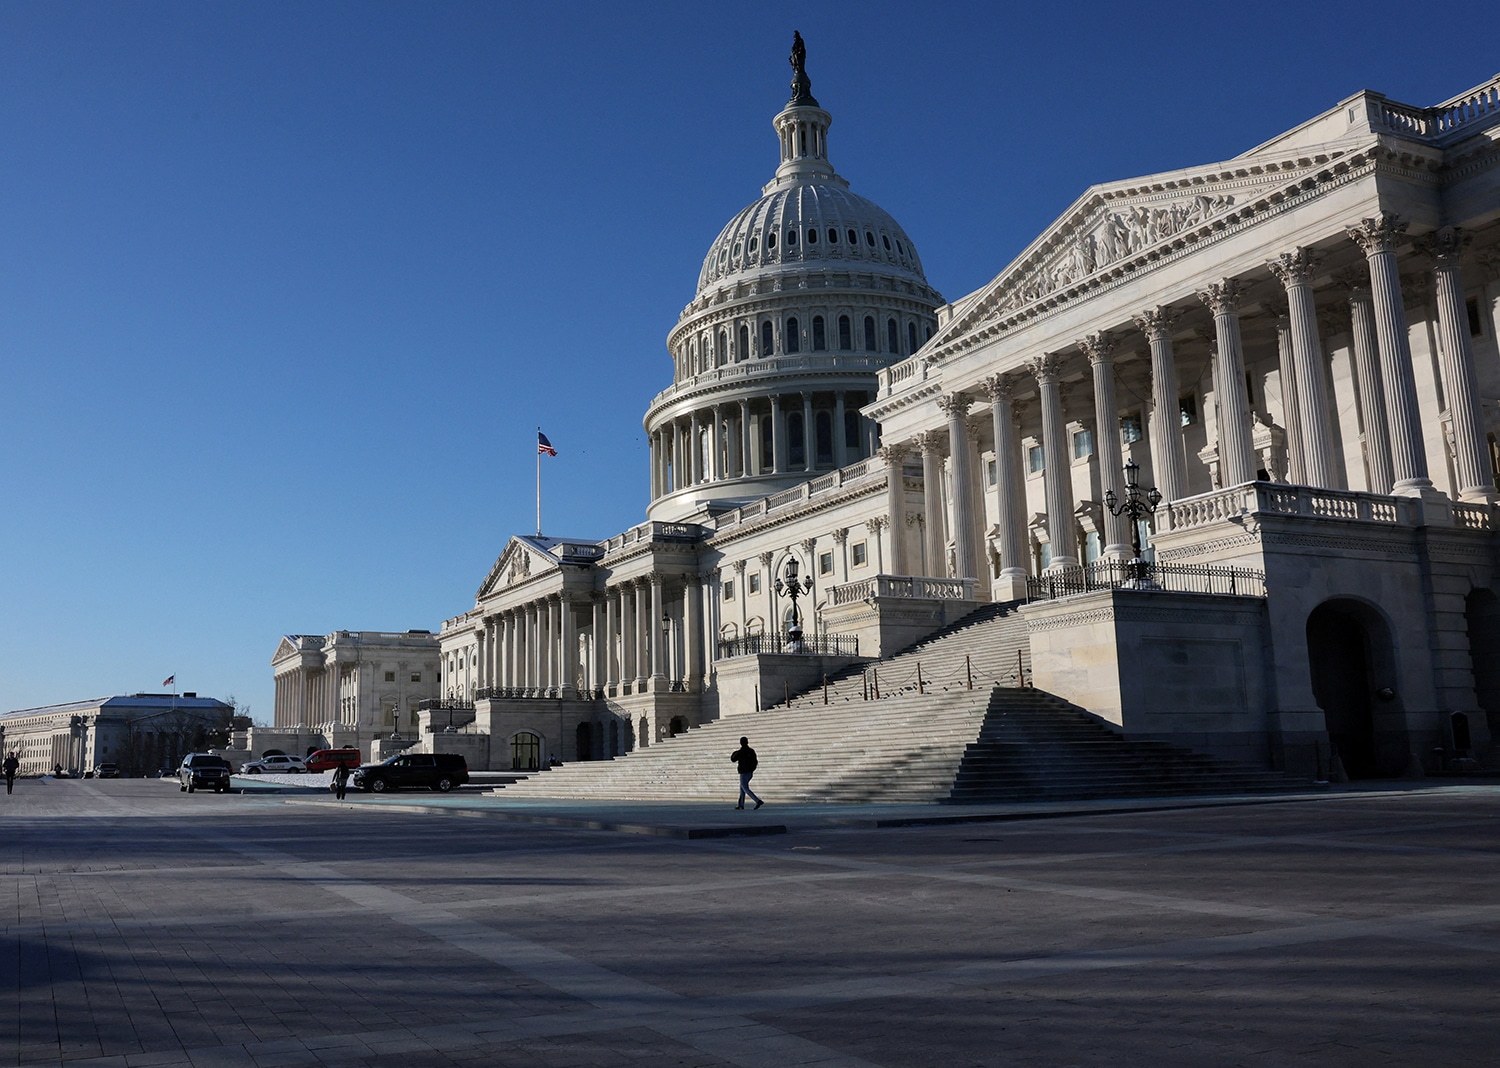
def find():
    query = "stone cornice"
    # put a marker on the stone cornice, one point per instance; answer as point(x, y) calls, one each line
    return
point(870, 487)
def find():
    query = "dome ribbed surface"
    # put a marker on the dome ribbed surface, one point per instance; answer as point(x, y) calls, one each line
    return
point(809, 226)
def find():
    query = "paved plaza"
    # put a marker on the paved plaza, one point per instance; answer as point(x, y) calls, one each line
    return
point(148, 927)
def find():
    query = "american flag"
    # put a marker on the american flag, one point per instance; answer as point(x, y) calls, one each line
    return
point(543, 445)
point(169, 680)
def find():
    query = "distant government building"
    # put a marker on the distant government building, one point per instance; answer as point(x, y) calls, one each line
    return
point(141, 733)
point(1294, 348)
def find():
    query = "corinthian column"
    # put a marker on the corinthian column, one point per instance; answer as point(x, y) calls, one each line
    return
point(1471, 463)
point(1166, 417)
point(1377, 238)
point(1012, 525)
point(931, 444)
point(1059, 484)
point(956, 407)
point(695, 455)
point(1236, 451)
point(894, 457)
point(1286, 361)
point(654, 629)
point(1100, 349)
point(1371, 391)
point(1294, 270)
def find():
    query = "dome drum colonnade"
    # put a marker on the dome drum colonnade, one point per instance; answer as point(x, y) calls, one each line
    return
point(1393, 447)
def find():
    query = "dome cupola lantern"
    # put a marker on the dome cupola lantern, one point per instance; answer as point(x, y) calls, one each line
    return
point(802, 127)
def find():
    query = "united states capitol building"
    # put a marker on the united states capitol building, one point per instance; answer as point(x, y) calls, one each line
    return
point(1219, 445)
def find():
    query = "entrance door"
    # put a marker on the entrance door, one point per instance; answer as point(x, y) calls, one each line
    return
point(585, 742)
point(1338, 650)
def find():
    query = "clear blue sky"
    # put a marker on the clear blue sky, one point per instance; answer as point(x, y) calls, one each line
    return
point(285, 288)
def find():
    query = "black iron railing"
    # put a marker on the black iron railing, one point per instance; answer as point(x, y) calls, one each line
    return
point(443, 704)
point(1145, 575)
point(808, 645)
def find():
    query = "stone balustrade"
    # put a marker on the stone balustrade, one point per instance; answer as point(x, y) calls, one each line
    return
point(775, 365)
point(862, 471)
point(1479, 104)
point(901, 374)
point(904, 586)
point(1271, 498)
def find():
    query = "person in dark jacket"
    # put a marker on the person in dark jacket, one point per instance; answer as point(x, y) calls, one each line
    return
point(744, 757)
point(340, 780)
point(12, 765)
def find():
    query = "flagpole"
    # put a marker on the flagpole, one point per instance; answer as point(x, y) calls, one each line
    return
point(539, 485)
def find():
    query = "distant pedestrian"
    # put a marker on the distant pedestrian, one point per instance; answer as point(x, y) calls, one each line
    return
point(744, 757)
point(340, 779)
point(12, 765)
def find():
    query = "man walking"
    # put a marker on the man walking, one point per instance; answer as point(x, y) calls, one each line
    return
point(12, 765)
point(744, 758)
point(340, 779)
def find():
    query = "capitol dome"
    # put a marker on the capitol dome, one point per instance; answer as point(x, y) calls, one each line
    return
point(809, 225)
point(803, 299)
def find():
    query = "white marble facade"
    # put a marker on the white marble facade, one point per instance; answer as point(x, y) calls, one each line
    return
point(1317, 314)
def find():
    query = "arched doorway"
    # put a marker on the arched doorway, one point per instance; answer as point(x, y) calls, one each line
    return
point(525, 752)
point(585, 742)
point(1482, 615)
point(677, 726)
point(1352, 659)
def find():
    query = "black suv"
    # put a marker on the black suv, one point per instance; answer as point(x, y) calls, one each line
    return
point(205, 770)
point(436, 771)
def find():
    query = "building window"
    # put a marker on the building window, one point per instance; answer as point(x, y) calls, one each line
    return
point(767, 443)
point(390, 676)
point(812, 236)
point(744, 343)
point(753, 582)
point(887, 239)
point(846, 334)
point(770, 242)
point(823, 424)
point(911, 337)
point(1083, 444)
point(729, 589)
point(859, 553)
point(869, 239)
point(754, 243)
point(416, 676)
point(870, 345)
point(853, 238)
point(767, 338)
point(820, 336)
point(1187, 407)
point(851, 429)
point(833, 236)
point(722, 356)
point(825, 563)
point(1130, 427)
point(793, 341)
point(989, 473)
point(791, 238)
point(892, 337)
point(796, 445)
point(1034, 459)
point(1476, 321)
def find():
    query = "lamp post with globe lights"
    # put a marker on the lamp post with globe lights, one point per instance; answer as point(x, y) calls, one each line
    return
point(788, 586)
point(1137, 505)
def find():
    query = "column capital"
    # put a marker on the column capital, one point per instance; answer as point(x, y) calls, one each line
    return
point(1444, 245)
point(809, 545)
point(930, 441)
point(1379, 233)
point(766, 559)
point(840, 535)
point(1295, 267)
point(999, 389)
point(1355, 282)
point(954, 402)
point(876, 523)
point(1044, 367)
point(893, 454)
point(1098, 347)
point(739, 567)
point(1222, 298)
point(1157, 323)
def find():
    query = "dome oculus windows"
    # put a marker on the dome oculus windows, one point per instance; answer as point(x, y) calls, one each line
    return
point(853, 238)
point(833, 236)
point(869, 239)
point(770, 242)
point(791, 238)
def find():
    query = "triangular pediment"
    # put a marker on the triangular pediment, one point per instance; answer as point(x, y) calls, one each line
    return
point(522, 558)
point(285, 649)
point(1123, 227)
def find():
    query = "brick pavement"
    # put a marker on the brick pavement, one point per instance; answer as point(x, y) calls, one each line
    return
point(147, 927)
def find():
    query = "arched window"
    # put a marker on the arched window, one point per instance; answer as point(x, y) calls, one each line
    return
point(767, 338)
point(793, 340)
point(722, 356)
point(770, 242)
point(851, 429)
point(846, 334)
point(812, 236)
point(820, 336)
point(791, 238)
point(853, 238)
point(824, 423)
point(833, 236)
point(911, 337)
point(796, 443)
point(870, 345)
point(754, 242)
point(869, 239)
point(744, 343)
point(892, 337)
point(767, 443)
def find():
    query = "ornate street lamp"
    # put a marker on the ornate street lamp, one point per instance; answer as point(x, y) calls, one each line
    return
point(789, 587)
point(1136, 506)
